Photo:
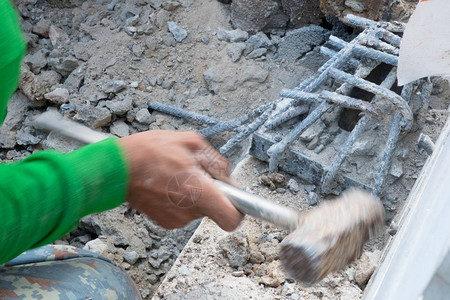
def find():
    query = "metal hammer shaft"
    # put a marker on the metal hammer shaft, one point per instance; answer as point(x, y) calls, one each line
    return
point(245, 202)
point(260, 208)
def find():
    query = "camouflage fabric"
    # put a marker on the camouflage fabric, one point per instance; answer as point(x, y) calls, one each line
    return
point(64, 272)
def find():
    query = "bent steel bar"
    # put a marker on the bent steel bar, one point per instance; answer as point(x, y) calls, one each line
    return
point(396, 99)
point(361, 22)
point(350, 102)
point(182, 113)
point(339, 158)
point(286, 116)
point(252, 127)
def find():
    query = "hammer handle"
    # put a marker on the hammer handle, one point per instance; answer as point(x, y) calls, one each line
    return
point(260, 208)
point(245, 202)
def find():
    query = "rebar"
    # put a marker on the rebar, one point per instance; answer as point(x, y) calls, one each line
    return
point(371, 39)
point(313, 82)
point(252, 127)
point(330, 53)
point(359, 127)
point(363, 70)
point(286, 116)
point(342, 154)
point(234, 123)
point(299, 96)
point(361, 22)
point(182, 113)
point(350, 102)
point(396, 99)
point(376, 54)
point(386, 157)
point(224, 126)
point(394, 133)
point(276, 149)
point(364, 51)
point(375, 42)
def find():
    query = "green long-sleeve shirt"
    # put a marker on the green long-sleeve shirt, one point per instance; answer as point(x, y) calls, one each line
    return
point(43, 196)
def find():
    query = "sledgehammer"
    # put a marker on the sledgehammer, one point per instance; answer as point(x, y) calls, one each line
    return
point(322, 240)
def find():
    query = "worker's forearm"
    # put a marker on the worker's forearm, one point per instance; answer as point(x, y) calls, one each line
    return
point(43, 196)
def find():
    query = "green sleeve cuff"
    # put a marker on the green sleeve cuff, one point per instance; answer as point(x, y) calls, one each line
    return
point(44, 196)
point(102, 175)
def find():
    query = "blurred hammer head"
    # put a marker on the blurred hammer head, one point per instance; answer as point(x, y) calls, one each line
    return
point(330, 236)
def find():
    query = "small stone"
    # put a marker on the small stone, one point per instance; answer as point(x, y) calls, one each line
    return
point(313, 199)
point(257, 53)
point(114, 86)
point(259, 40)
point(280, 190)
point(96, 246)
point(64, 65)
point(260, 270)
point(319, 149)
point(396, 168)
point(366, 266)
point(143, 116)
point(235, 248)
point(309, 188)
point(31, 86)
point(36, 61)
point(58, 96)
point(234, 36)
point(275, 276)
point(212, 78)
point(42, 27)
point(356, 6)
point(237, 273)
point(171, 5)
point(293, 186)
point(131, 257)
point(75, 79)
point(94, 116)
point(138, 49)
point(425, 143)
point(256, 257)
point(169, 40)
point(264, 179)
point(26, 137)
point(120, 107)
point(234, 51)
point(168, 84)
point(153, 279)
point(362, 147)
point(313, 143)
point(178, 33)
point(277, 178)
point(120, 129)
point(312, 131)
point(145, 293)
point(393, 228)
point(270, 250)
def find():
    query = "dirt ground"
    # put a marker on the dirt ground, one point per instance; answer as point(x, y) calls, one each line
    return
point(102, 62)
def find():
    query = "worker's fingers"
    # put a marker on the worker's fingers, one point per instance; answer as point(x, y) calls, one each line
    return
point(213, 163)
point(192, 140)
point(216, 206)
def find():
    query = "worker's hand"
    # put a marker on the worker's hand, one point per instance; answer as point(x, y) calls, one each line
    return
point(170, 179)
